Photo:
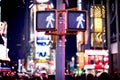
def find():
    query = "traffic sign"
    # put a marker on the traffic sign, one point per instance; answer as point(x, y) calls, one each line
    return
point(76, 20)
point(46, 20)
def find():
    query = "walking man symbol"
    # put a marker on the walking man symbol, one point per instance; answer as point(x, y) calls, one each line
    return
point(49, 20)
point(80, 21)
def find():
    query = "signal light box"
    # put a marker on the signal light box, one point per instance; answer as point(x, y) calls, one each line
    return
point(46, 20)
point(76, 20)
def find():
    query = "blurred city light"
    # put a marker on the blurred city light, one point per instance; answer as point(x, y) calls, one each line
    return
point(42, 1)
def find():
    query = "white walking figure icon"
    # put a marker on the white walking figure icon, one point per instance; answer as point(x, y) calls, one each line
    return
point(49, 20)
point(80, 21)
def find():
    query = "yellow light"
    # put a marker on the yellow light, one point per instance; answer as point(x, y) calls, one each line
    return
point(98, 24)
point(81, 59)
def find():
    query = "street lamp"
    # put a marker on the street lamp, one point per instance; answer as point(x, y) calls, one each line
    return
point(72, 58)
point(73, 61)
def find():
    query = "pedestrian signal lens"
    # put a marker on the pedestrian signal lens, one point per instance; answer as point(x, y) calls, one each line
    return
point(46, 20)
point(76, 20)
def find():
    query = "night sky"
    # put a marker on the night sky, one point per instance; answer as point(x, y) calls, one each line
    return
point(13, 11)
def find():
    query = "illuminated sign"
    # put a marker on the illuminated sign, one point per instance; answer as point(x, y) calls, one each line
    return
point(81, 60)
point(96, 52)
point(4, 53)
point(98, 25)
point(42, 36)
point(96, 59)
point(76, 20)
point(46, 20)
point(42, 52)
point(42, 1)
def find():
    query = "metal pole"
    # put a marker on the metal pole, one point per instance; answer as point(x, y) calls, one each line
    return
point(60, 46)
point(108, 36)
point(117, 34)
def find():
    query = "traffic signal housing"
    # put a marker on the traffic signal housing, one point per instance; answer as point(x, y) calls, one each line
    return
point(46, 20)
point(76, 20)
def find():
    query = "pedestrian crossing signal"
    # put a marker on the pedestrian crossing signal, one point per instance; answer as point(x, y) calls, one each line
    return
point(76, 20)
point(46, 20)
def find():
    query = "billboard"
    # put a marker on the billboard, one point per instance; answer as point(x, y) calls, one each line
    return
point(42, 52)
point(42, 46)
point(96, 59)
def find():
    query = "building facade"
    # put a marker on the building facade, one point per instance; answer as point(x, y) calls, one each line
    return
point(0, 10)
point(102, 32)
